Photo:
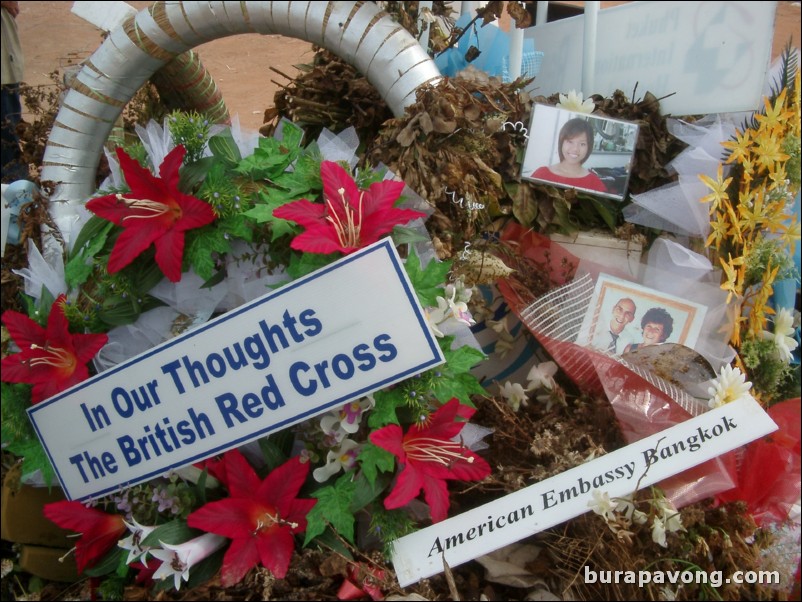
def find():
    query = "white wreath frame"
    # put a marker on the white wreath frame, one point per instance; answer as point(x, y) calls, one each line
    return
point(358, 32)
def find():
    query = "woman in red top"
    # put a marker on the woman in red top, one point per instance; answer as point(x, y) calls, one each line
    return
point(574, 146)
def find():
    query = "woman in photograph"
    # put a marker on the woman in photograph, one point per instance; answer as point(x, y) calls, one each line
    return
point(574, 146)
point(657, 325)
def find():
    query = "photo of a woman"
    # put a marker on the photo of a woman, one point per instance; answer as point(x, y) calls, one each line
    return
point(575, 145)
point(656, 326)
point(585, 152)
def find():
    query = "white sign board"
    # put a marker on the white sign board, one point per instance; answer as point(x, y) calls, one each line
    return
point(558, 499)
point(712, 56)
point(315, 344)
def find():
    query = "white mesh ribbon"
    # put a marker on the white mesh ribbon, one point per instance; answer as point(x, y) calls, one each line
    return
point(675, 207)
point(557, 319)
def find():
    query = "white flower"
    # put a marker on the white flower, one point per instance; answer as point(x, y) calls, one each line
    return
point(783, 334)
point(542, 376)
point(434, 317)
point(133, 543)
point(332, 429)
point(514, 394)
point(451, 308)
point(669, 514)
point(505, 340)
point(626, 507)
point(573, 102)
point(729, 386)
point(659, 531)
point(602, 505)
point(341, 458)
point(178, 559)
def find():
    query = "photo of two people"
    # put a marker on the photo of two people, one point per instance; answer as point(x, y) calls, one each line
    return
point(624, 316)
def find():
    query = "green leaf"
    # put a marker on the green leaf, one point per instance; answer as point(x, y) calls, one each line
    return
point(461, 386)
point(108, 564)
point(306, 263)
point(34, 458)
point(385, 411)
point(403, 235)
point(15, 427)
point(262, 212)
point(373, 459)
point(93, 234)
point(92, 240)
point(428, 282)
point(237, 226)
point(333, 508)
point(330, 540)
point(291, 135)
point(270, 158)
point(225, 149)
point(193, 174)
point(172, 533)
point(462, 359)
point(77, 271)
point(202, 249)
point(276, 448)
point(200, 487)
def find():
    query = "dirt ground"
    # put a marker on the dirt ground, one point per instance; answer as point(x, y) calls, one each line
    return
point(53, 38)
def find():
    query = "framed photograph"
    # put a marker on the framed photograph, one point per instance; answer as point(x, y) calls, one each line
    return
point(623, 316)
point(576, 150)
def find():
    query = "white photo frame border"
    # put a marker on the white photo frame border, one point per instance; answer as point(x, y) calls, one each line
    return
point(542, 147)
point(609, 290)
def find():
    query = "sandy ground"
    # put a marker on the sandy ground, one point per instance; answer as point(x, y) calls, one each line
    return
point(54, 38)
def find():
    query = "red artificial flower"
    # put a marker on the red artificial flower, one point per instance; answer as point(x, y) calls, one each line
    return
point(99, 531)
point(362, 581)
point(155, 211)
point(51, 359)
point(429, 457)
point(349, 218)
point(144, 575)
point(260, 517)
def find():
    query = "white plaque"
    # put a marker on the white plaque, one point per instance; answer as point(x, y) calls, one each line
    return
point(344, 331)
point(565, 496)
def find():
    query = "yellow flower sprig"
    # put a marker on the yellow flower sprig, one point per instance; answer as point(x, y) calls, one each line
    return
point(751, 214)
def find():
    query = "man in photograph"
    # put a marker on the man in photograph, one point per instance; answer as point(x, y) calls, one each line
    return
point(613, 339)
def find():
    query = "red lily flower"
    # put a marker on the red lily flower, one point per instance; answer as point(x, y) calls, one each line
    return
point(260, 517)
point(99, 531)
point(155, 211)
point(350, 218)
point(51, 359)
point(429, 457)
